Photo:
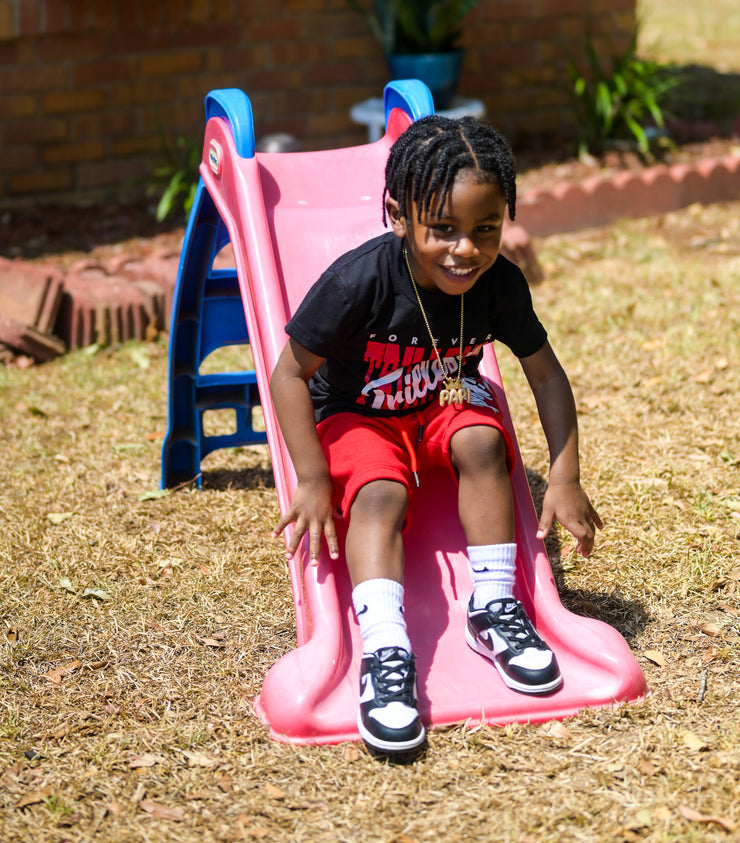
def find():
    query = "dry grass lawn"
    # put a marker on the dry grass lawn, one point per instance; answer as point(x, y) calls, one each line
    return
point(136, 628)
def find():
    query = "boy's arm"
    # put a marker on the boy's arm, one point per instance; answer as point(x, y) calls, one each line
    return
point(311, 506)
point(565, 499)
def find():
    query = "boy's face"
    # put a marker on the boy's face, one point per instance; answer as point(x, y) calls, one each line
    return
point(449, 252)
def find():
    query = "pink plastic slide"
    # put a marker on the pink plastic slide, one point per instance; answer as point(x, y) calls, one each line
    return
point(288, 215)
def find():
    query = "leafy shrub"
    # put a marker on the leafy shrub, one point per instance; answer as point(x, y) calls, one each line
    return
point(618, 98)
point(177, 178)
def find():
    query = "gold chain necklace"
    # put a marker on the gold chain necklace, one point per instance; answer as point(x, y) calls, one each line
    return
point(454, 391)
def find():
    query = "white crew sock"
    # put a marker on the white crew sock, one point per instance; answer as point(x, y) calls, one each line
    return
point(379, 608)
point(492, 567)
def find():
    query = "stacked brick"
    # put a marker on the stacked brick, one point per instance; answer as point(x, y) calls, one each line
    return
point(87, 87)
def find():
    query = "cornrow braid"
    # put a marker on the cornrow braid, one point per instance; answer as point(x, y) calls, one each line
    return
point(426, 158)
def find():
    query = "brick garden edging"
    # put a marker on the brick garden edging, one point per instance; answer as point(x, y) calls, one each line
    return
point(131, 298)
point(599, 201)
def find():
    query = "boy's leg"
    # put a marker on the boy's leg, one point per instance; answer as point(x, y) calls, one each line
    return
point(388, 719)
point(369, 467)
point(498, 627)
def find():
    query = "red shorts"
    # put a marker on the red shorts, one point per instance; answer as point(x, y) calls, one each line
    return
point(360, 449)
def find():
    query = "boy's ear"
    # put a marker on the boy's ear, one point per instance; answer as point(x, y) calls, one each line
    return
point(398, 223)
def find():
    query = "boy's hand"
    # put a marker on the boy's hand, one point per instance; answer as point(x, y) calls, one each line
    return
point(311, 510)
point(570, 505)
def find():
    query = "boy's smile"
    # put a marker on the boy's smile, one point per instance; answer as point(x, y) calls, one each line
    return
point(449, 252)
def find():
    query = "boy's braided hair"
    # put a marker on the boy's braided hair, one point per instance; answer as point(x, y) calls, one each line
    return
point(426, 158)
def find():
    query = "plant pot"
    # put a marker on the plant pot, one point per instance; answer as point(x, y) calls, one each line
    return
point(440, 72)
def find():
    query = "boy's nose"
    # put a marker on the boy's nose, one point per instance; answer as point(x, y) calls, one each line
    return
point(464, 246)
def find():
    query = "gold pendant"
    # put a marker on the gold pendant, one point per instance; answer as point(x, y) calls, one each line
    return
point(454, 392)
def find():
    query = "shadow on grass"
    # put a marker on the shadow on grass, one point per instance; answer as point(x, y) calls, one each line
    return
point(628, 617)
point(238, 479)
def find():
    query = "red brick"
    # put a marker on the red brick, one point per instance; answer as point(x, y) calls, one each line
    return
point(62, 48)
point(128, 146)
point(70, 152)
point(170, 64)
point(29, 17)
point(104, 71)
point(23, 157)
point(66, 102)
point(208, 37)
point(10, 52)
point(56, 18)
point(153, 90)
point(111, 172)
point(176, 12)
point(23, 78)
point(7, 26)
point(101, 124)
point(139, 42)
point(42, 182)
point(41, 130)
point(21, 105)
point(275, 30)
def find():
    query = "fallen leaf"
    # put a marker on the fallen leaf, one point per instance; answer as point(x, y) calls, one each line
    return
point(201, 759)
point(656, 657)
point(203, 793)
point(162, 812)
point(59, 517)
point(643, 819)
point(274, 792)
point(211, 642)
point(140, 357)
point(351, 754)
point(710, 629)
point(97, 593)
point(34, 797)
point(555, 729)
point(153, 494)
point(693, 741)
point(697, 817)
point(646, 768)
point(58, 673)
point(705, 376)
point(115, 808)
point(11, 635)
point(146, 759)
point(60, 732)
point(225, 782)
point(66, 584)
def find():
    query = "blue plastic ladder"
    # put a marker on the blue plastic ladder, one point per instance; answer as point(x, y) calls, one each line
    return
point(207, 314)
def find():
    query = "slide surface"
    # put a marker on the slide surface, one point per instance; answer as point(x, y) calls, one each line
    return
point(288, 216)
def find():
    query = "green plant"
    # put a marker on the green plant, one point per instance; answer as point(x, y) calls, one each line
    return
point(177, 178)
point(617, 98)
point(415, 26)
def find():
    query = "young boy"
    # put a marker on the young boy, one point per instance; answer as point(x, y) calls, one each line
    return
point(379, 379)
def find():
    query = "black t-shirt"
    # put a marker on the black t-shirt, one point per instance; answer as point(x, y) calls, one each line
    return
point(363, 318)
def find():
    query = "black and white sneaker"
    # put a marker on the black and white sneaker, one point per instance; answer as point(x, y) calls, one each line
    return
point(388, 720)
point(504, 634)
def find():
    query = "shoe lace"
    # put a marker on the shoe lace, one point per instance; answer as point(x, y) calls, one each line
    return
point(393, 674)
point(512, 623)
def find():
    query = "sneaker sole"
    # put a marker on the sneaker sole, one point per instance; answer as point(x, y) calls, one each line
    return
point(508, 681)
point(389, 746)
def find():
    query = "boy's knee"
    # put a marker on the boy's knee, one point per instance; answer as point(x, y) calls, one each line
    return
point(388, 498)
point(479, 447)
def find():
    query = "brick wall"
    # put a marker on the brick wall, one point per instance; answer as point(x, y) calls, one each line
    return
point(86, 84)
